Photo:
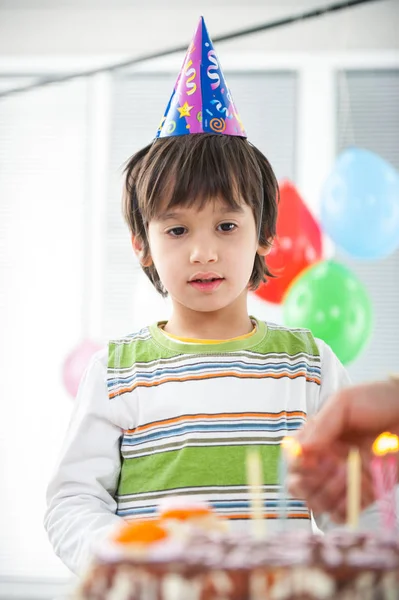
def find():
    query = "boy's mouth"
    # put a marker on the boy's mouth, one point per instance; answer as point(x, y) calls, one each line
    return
point(206, 282)
point(203, 277)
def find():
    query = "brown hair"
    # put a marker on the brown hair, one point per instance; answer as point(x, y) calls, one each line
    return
point(191, 169)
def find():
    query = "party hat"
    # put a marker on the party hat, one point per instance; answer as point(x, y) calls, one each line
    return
point(201, 101)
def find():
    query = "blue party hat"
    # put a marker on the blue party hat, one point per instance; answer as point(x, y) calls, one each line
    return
point(201, 102)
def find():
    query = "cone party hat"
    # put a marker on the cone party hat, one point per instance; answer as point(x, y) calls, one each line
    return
point(201, 101)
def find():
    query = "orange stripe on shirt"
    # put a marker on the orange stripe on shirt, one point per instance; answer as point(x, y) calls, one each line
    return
point(217, 417)
point(214, 376)
point(245, 517)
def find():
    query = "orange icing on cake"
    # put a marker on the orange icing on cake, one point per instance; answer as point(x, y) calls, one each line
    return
point(141, 532)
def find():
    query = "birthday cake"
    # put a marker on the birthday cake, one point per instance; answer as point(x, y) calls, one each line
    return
point(189, 554)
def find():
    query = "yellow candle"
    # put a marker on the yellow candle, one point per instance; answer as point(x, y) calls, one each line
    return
point(353, 488)
point(255, 485)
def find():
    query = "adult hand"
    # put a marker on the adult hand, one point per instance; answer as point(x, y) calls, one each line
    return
point(320, 479)
point(353, 416)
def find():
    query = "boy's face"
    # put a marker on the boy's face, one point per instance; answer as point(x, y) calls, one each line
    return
point(205, 257)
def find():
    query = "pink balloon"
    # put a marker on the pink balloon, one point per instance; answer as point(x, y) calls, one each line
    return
point(76, 363)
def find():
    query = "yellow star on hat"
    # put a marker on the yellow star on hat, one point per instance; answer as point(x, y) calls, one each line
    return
point(185, 110)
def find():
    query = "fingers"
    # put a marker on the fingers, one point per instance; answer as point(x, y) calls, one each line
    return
point(338, 512)
point(361, 410)
point(327, 425)
point(322, 483)
point(309, 474)
point(320, 487)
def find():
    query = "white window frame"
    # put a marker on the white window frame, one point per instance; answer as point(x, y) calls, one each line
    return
point(315, 153)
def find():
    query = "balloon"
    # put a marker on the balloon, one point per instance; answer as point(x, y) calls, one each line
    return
point(330, 301)
point(76, 363)
point(297, 245)
point(360, 205)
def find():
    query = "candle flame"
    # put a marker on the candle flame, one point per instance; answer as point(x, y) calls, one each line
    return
point(291, 446)
point(386, 443)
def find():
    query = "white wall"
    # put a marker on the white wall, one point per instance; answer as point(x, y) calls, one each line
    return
point(126, 27)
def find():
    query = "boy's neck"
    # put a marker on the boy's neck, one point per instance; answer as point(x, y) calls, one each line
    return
point(218, 325)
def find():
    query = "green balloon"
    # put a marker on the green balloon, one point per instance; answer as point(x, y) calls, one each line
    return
point(330, 301)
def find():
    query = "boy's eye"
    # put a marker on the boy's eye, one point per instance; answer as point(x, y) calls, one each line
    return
point(226, 227)
point(177, 231)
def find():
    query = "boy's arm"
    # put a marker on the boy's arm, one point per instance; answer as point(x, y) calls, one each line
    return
point(80, 497)
point(333, 378)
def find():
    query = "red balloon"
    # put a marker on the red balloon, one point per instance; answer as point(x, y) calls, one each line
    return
point(298, 244)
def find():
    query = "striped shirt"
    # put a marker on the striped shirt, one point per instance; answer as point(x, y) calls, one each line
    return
point(197, 408)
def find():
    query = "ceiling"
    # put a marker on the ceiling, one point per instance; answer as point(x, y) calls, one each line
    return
point(290, 5)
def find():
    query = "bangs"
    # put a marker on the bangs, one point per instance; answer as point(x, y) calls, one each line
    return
point(194, 169)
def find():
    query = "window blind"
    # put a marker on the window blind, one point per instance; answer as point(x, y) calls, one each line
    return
point(42, 194)
point(368, 117)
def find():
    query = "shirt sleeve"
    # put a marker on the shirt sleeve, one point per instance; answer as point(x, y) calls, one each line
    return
point(80, 497)
point(333, 378)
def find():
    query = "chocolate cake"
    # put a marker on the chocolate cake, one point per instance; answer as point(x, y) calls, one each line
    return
point(189, 555)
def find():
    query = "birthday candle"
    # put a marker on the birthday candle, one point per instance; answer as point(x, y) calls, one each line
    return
point(384, 471)
point(255, 485)
point(353, 488)
point(289, 448)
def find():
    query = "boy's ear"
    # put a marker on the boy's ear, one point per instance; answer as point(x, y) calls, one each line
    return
point(138, 248)
point(264, 250)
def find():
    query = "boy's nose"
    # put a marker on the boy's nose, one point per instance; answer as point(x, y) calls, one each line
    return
point(203, 253)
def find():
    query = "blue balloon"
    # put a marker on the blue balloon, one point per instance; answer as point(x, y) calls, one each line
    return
point(360, 205)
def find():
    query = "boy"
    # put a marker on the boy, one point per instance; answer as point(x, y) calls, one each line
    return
point(172, 409)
